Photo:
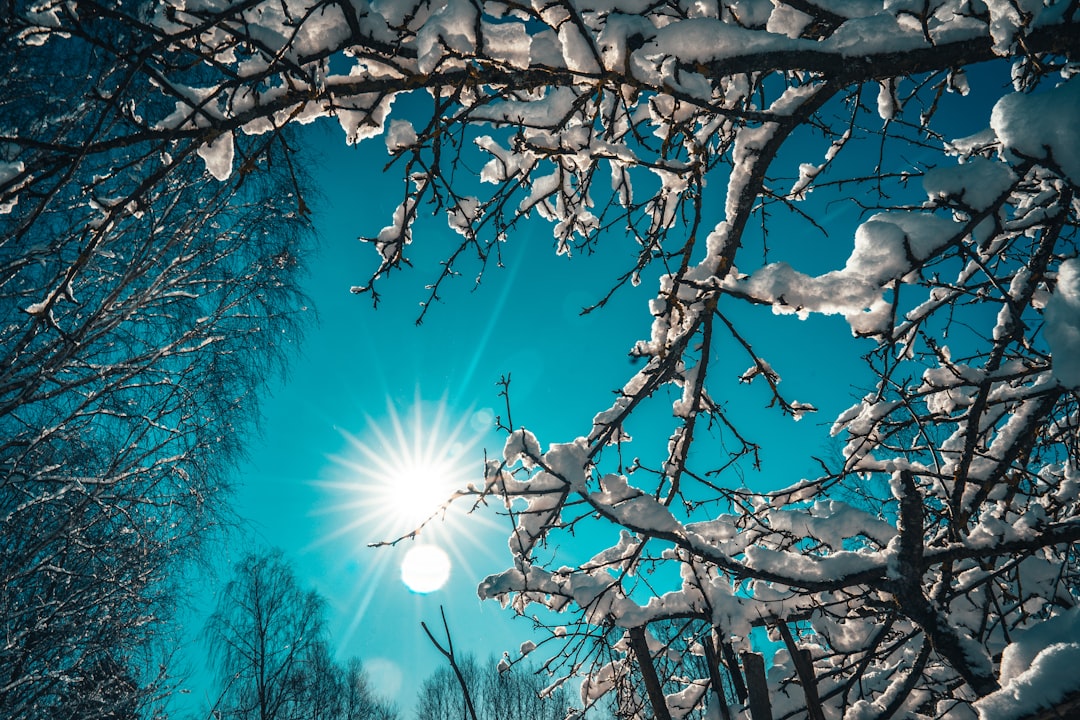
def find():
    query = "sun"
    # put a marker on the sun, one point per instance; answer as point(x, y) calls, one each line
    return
point(402, 472)
point(404, 475)
point(415, 487)
point(404, 481)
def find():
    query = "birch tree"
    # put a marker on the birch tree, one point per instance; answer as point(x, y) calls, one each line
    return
point(140, 309)
point(267, 639)
point(268, 642)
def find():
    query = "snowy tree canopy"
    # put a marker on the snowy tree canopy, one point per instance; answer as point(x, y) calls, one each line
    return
point(918, 574)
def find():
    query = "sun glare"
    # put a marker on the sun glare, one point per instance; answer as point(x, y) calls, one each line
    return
point(420, 486)
point(402, 472)
point(395, 481)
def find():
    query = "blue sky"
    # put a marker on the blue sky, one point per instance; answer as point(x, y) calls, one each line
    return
point(360, 368)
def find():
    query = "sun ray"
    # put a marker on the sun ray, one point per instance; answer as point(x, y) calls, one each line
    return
point(373, 581)
point(394, 480)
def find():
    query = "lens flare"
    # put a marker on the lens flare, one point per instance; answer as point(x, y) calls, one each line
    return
point(393, 484)
point(425, 569)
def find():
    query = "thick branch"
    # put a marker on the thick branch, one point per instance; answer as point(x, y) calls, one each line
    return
point(640, 646)
point(907, 588)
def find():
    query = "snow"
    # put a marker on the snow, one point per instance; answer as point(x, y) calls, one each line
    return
point(616, 555)
point(362, 116)
point(568, 461)
point(832, 522)
point(749, 142)
point(1038, 669)
point(809, 171)
point(451, 30)
point(613, 40)
point(395, 12)
point(325, 27)
point(500, 585)
point(887, 104)
point(576, 50)
point(1042, 127)
point(1007, 17)
point(752, 13)
point(682, 703)
point(1062, 329)
point(640, 512)
point(541, 188)
point(391, 239)
point(800, 568)
point(8, 172)
point(887, 247)
point(218, 156)
point(708, 40)
point(888, 244)
point(877, 33)
point(400, 134)
point(545, 49)
point(977, 183)
point(787, 21)
point(599, 682)
point(462, 216)
point(508, 43)
point(37, 309)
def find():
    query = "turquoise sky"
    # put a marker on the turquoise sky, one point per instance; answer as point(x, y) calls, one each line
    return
point(360, 368)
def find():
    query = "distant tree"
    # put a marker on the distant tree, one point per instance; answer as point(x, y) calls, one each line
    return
point(440, 696)
point(511, 694)
point(324, 689)
point(756, 157)
point(335, 692)
point(267, 639)
point(520, 692)
point(360, 700)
